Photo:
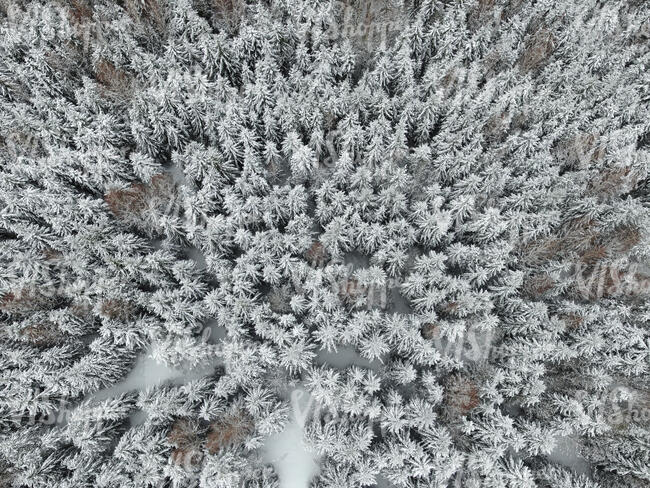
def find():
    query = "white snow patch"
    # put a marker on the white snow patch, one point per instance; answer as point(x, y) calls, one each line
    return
point(399, 304)
point(197, 256)
point(177, 174)
point(146, 373)
point(292, 459)
point(344, 357)
point(137, 417)
point(566, 454)
point(356, 260)
point(212, 333)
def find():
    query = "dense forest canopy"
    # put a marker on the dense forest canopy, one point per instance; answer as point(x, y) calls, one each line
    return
point(454, 194)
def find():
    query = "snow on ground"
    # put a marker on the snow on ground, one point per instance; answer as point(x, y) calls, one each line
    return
point(566, 454)
point(197, 256)
point(399, 304)
point(212, 332)
point(292, 459)
point(345, 356)
point(356, 260)
point(146, 373)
